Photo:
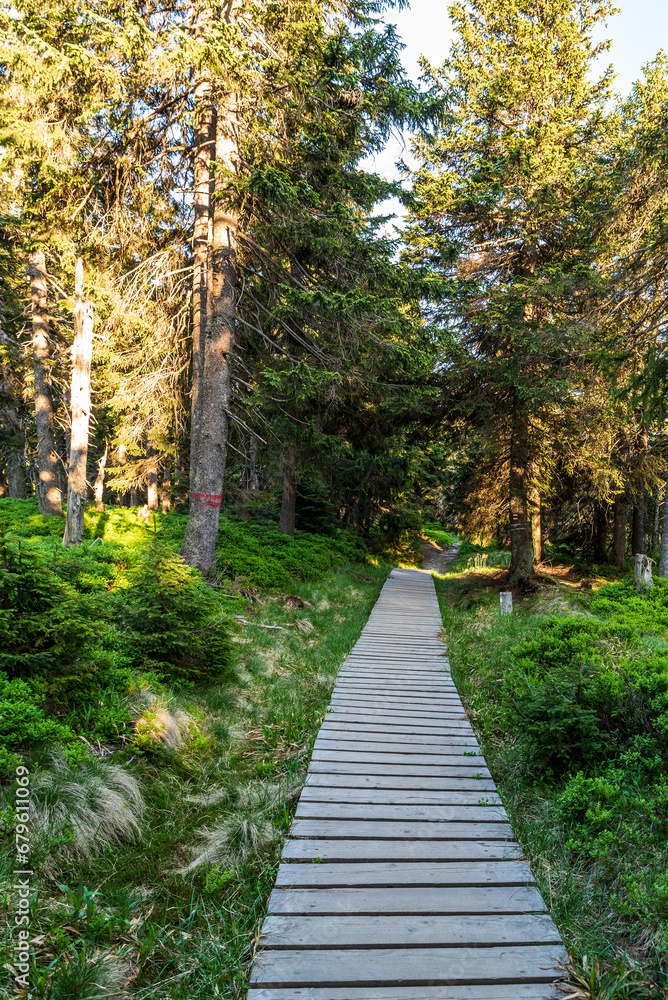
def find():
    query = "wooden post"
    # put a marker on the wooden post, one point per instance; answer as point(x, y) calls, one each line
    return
point(506, 599)
point(82, 354)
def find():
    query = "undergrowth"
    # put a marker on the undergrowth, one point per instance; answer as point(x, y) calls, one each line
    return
point(569, 696)
point(167, 723)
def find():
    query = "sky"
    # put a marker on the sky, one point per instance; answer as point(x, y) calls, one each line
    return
point(637, 33)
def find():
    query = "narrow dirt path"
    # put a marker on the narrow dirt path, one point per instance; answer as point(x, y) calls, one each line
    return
point(437, 558)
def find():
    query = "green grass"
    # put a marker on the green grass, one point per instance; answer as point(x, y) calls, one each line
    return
point(211, 767)
point(569, 697)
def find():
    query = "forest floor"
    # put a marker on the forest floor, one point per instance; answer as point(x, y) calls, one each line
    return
point(569, 697)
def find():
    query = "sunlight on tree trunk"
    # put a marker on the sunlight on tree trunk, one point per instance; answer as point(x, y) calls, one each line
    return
point(152, 478)
point(521, 561)
point(82, 355)
point(48, 492)
point(99, 481)
point(206, 479)
point(536, 525)
point(204, 139)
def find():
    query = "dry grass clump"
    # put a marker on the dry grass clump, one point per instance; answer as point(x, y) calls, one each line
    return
point(162, 723)
point(90, 979)
point(248, 829)
point(93, 804)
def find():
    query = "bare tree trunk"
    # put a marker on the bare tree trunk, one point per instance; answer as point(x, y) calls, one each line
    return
point(206, 478)
point(204, 140)
point(82, 355)
point(254, 479)
point(134, 497)
point(166, 492)
point(521, 559)
point(600, 531)
point(16, 474)
point(655, 526)
point(99, 481)
point(536, 526)
point(47, 458)
point(638, 525)
point(152, 478)
point(663, 558)
point(619, 532)
point(286, 524)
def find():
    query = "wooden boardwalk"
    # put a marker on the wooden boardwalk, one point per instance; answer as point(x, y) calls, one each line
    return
point(401, 879)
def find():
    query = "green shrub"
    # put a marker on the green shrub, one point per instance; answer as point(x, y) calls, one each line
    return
point(23, 722)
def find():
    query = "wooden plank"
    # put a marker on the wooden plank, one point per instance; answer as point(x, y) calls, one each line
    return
point(390, 745)
point(339, 732)
point(426, 761)
point(417, 873)
point(331, 730)
point(398, 713)
point(402, 931)
point(396, 700)
point(426, 900)
point(401, 722)
point(414, 783)
point(400, 797)
point(516, 991)
point(419, 966)
point(307, 809)
point(334, 829)
point(397, 768)
point(397, 731)
point(400, 850)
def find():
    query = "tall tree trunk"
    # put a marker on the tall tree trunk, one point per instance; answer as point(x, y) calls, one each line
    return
point(204, 140)
point(638, 525)
point(16, 474)
point(48, 492)
point(663, 558)
point(82, 355)
point(619, 532)
point(521, 559)
point(99, 481)
point(600, 532)
point(536, 526)
point(254, 478)
point(152, 478)
point(286, 524)
point(655, 526)
point(166, 491)
point(206, 482)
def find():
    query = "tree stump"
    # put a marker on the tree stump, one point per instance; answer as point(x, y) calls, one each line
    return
point(642, 572)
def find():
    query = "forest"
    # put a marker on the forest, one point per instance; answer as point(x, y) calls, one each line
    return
point(235, 390)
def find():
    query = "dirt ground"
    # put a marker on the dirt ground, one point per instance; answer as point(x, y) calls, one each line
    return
point(437, 558)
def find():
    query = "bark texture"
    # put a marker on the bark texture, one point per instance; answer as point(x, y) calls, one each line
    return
point(619, 532)
point(48, 492)
point(16, 474)
point(99, 481)
point(663, 558)
point(521, 560)
point(638, 526)
point(152, 479)
point(206, 478)
point(600, 532)
point(204, 140)
point(536, 526)
point(286, 524)
point(82, 355)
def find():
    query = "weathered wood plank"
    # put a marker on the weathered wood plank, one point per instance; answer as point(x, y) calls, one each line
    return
point(399, 830)
point(394, 746)
point(400, 781)
point(398, 797)
point(380, 734)
point(400, 850)
point(400, 931)
point(516, 991)
point(307, 809)
point(417, 873)
point(419, 966)
point(399, 769)
point(461, 899)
